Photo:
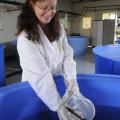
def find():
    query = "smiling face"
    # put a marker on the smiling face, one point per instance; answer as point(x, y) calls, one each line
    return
point(45, 10)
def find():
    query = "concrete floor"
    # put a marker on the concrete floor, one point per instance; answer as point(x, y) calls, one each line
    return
point(85, 64)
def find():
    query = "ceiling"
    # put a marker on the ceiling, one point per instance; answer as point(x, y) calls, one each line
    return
point(17, 2)
point(14, 2)
point(81, 1)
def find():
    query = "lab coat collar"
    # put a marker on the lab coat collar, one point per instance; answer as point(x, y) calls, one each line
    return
point(46, 43)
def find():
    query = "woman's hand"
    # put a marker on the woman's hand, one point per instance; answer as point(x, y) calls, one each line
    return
point(63, 113)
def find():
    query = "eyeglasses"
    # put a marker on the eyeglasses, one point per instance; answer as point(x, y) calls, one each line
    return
point(46, 9)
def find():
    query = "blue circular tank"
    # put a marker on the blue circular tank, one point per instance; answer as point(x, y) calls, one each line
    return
point(118, 40)
point(2, 65)
point(107, 59)
point(102, 90)
point(79, 44)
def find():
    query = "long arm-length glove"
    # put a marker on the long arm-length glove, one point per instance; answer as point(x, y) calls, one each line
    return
point(82, 107)
point(76, 107)
point(69, 70)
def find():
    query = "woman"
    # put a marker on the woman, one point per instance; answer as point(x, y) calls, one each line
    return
point(44, 52)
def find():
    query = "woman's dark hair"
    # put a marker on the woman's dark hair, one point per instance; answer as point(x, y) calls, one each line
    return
point(28, 22)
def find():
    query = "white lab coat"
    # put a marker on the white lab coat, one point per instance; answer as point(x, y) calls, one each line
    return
point(40, 61)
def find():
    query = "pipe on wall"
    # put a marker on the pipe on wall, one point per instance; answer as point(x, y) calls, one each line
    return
point(99, 8)
point(11, 2)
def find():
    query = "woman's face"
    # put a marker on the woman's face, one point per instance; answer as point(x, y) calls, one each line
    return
point(45, 10)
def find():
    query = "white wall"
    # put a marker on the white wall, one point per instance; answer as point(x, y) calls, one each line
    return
point(8, 20)
point(8, 23)
point(66, 5)
point(77, 25)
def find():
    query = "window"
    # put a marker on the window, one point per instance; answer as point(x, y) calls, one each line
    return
point(86, 23)
point(105, 16)
point(109, 16)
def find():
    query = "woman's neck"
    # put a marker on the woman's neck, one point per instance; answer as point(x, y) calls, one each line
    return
point(45, 30)
point(43, 26)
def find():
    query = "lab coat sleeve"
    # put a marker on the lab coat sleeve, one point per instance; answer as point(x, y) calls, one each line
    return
point(37, 73)
point(69, 65)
